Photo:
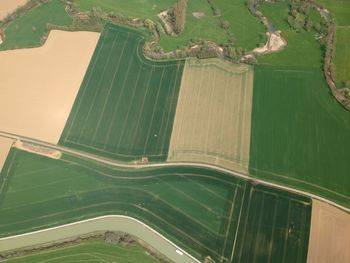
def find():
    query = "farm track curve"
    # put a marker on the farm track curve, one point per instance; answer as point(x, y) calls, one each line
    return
point(170, 164)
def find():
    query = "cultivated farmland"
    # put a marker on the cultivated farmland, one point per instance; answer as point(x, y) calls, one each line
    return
point(203, 211)
point(339, 10)
point(329, 234)
point(212, 121)
point(39, 85)
point(300, 45)
point(205, 26)
point(8, 6)
point(97, 251)
point(126, 104)
point(341, 56)
point(246, 29)
point(29, 29)
point(131, 8)
point(300, 134)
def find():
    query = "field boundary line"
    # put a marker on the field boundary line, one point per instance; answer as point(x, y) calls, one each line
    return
point(96, 91)
point(206, 189)
point(116, 106)
point(238, 224)
point(286, 234)
point(175, 164)
point(139, 117)
point(210, 109)
point(173, 106)
point(223, 115)
point(232, 208)
point(179, 112)
point(273, 227)
point(251, 190)
point(304, 217)
point(143, 209)
point(258, 231)
point(84, 88)
point(195, 111)
point(109, 90)
point(189, 197)
point(153, 112)
point(190, 257)
point(304, 182)
point(242, 112)
point(130, 106)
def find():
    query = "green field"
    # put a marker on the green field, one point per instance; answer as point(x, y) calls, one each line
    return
point(300, 134)
point(203, 211)
point(97, 252)
point(206, 27)
point(339, 9)
point(297, 126)
point(340, 12)
point(126, 104)
point(341, 56)
point(302, 49)
point(130, 8)
point(29, 29)
point(246, 29)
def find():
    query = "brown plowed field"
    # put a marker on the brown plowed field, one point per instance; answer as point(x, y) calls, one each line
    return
point(39, 85)
point(329, 234)
point(8, 6)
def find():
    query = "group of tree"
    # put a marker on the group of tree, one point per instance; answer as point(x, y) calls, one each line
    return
point(178, 15)
point(299, 16)
point(232, 52)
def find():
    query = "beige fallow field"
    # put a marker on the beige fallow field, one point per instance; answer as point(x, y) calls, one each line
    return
point(5, 146)
point(213, 115)
point(38, 86)
point(329, 234)
point(8, 6)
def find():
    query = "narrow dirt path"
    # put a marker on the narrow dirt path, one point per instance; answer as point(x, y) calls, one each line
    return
point(170, 164)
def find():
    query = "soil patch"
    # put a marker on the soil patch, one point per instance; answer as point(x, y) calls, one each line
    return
point(44, 151)
point(166, 21)
point(39, 85)
point(9, 6)
point(329, 234)
point(198, 14)
point(274, 43)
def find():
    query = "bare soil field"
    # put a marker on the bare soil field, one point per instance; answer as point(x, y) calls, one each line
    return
point(36, 149)
point(8, 6)
point(39, 85)
point(212, 121)
point(5, 146)
point(329, 235)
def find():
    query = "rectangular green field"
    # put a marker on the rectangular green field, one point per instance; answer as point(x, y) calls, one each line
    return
point(126, 104)
point(300, 134)
point(131, 8)
point(205, 212)
point(341, 56)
